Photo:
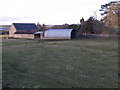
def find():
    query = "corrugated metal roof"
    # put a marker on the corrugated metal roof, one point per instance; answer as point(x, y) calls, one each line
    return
point(38, 32)
point(25, 26)
point(58, 33)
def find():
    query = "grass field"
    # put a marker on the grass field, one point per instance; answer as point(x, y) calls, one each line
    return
point(81, 63)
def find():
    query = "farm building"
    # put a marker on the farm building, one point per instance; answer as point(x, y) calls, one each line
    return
point(23, 30)
point(59, 34)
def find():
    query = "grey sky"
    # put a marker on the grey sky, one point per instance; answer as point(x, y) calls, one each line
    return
point(48, 11)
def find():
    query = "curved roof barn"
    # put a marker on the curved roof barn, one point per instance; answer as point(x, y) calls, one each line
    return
point(58, 33)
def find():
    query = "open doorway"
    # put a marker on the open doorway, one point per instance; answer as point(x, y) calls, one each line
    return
point(37, 36)
point(73, 34)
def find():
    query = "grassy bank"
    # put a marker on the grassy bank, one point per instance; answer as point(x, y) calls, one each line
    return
point(82, 63)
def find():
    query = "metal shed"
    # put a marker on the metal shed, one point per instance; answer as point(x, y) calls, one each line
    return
point(38, 34)
point(58, 33)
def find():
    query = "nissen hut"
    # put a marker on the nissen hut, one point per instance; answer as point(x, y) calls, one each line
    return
point(23, 30)
point(59, 34)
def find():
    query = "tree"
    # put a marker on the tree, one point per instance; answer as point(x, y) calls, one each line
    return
point(88, 26)
point(74, 26)
point(93, 26)
point(39, 26)
point(111, 14)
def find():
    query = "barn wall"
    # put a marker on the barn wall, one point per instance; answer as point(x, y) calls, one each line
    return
point(29, 36)
point(12, 30)
point(55, 38)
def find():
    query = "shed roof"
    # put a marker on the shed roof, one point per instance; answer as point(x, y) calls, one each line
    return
point(38, 32)
point(58, 33)
point(25, 26)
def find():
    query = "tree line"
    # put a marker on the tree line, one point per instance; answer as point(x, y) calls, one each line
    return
point(110, 22)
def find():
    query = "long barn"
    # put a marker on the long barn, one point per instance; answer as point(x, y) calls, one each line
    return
point(59, 34)
point(23, 30)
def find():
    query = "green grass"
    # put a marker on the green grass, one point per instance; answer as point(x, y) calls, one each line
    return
point(83, 63)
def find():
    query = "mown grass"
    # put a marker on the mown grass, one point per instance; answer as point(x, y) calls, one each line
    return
point(82, 63)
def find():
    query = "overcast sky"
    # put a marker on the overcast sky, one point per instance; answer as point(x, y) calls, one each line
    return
point(48, 11)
